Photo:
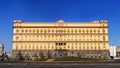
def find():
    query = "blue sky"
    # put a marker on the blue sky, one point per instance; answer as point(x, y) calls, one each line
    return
point(53, 10)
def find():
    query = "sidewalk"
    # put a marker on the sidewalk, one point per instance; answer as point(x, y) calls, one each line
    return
point(50, 60)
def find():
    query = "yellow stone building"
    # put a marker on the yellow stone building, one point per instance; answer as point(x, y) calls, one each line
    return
point(61, 39)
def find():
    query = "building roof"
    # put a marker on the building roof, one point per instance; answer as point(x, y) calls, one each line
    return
point(60, 23)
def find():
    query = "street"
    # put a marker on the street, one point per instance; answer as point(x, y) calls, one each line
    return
point(59, 65)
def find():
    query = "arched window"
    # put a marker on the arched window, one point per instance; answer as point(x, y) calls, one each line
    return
point(103, 30)
point(75, 31)
point(33, 47)
point(44, 46)
point(48, 31)
point(98, 31)
point(87, 31)
point(94, 31)
point(68, 31)
point(33, 31)
point(29, 30)
point(41, 31)
point(16, 47)
point(17, 38)
point(56, 31)
point(80, 31)
point(17, 31)
point(68, 46)
point(21, 46)
point(29, 46)
point(52, 30)
point(37, 31)
point(25, 46)
point(22, 30)
point(64, 30)
point(37, 47)
point(83, 31)
point(90, 31)
point(26, 31)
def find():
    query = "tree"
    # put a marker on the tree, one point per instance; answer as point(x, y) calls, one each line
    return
point(41, 55)
point(27, 57)
point(2, 57)
point(5, 57)
point(20, 57)
point(49, 54)
point(112, 57)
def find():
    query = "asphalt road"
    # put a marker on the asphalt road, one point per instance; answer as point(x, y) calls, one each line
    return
point(59, 65)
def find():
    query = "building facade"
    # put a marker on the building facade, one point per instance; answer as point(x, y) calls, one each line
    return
point(9, 55)
point(113, 51)
point(61, 39)
point(1, 49)
point(118, 52)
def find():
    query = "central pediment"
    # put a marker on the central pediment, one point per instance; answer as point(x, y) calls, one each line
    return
point(60, 23)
